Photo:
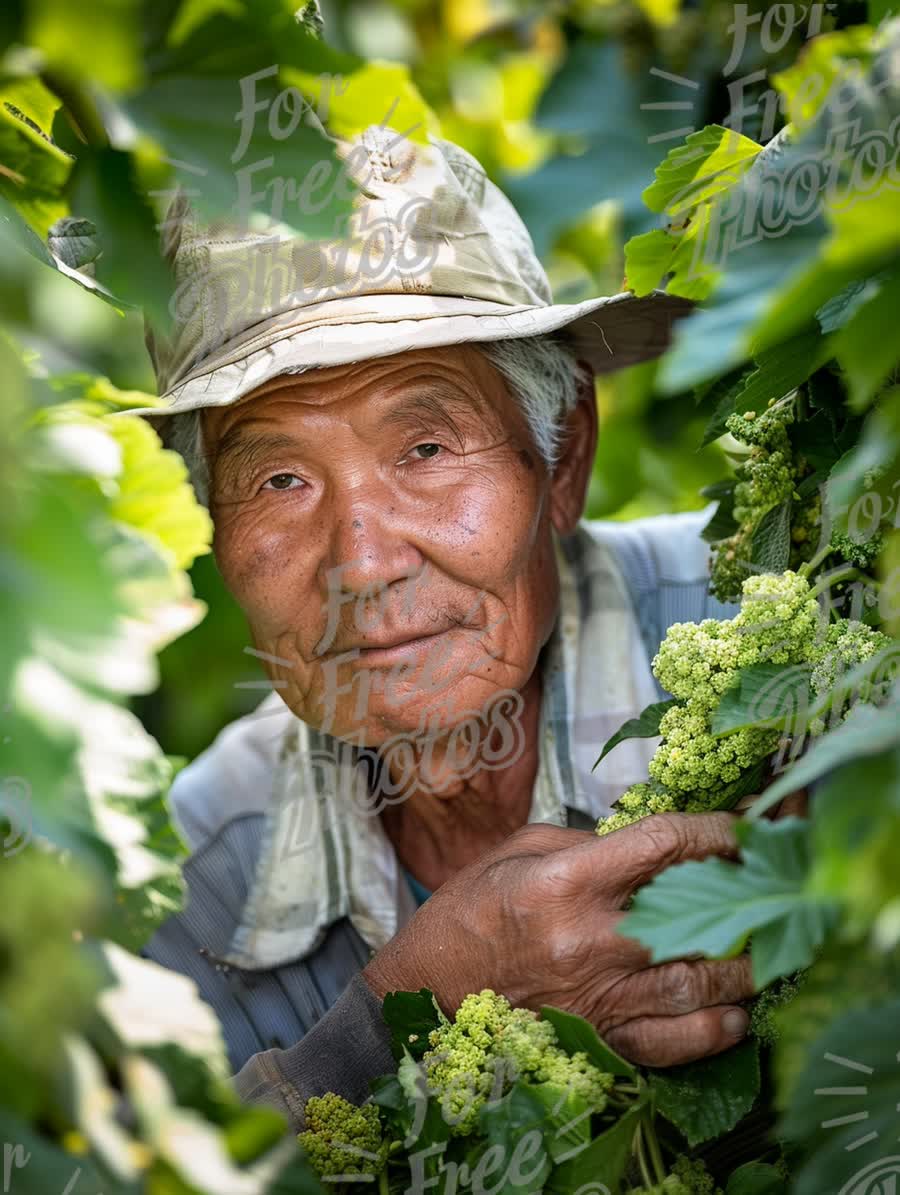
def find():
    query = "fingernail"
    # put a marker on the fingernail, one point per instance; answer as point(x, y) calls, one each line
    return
point(735, 1022)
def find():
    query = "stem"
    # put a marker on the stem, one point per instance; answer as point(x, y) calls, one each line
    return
point(847, 573)
point(383, 1188)
point(655, 1154)
point(642, 1159)
point(805, 570)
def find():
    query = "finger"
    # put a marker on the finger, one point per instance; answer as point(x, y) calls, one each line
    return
point(674, 989)
point(540, 838)
point(670, 1041)
point(618, 863)
point(794, 805)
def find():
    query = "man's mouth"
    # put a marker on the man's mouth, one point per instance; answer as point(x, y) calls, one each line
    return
point(396, 647)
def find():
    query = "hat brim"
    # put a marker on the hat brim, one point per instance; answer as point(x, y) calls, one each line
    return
point(610, 333)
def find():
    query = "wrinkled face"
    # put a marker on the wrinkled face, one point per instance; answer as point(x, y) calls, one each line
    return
point(386, 528)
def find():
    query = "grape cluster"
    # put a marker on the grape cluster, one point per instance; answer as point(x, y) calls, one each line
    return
point(341, 1139)
point(765, 479)
point(488, 1046)
point(691, 771)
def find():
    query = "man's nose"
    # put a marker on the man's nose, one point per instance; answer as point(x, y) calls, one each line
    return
point(369, 545)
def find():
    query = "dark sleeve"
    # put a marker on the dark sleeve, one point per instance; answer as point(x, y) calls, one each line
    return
point(346, 1048)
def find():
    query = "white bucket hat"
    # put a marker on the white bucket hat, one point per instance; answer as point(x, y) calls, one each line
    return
point(435, 255)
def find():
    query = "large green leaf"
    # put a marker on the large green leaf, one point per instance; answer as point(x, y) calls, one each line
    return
point(713, 907)
point(237, 169)
point(866, 347)
point(866, 731)
point(764, 695)
point(844, 1113)
point(604, 1161)
point(33, 169)
point(707, 1098)
point(102, 44)
point(709, 163)
point(778, 371)
point(847, 976)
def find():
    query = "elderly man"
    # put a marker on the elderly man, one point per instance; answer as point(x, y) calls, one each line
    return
point(395, 441)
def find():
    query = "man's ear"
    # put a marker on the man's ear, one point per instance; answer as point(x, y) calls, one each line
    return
point(572, 476)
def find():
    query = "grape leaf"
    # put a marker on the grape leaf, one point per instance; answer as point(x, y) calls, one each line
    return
point(763, 695)
point(756, 1178)
point(708, 163)
point(711, 908)
point(707, 1098)
point(645, 726)
point(771, 551)
point(778, 371)
point(866, 731)
point(603, 1163)
point(574, 1033)
point(845, 1113)
point(411, 1016)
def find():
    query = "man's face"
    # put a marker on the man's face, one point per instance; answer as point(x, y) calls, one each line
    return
point(386, 528)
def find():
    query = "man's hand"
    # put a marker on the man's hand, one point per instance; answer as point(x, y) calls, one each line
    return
point(535, 919)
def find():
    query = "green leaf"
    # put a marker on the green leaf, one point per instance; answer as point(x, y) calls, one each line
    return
point(296, 181)
point(711, 908)
point(574, 1033)
point(771, 550)
point(411, 1016)
point(101, 45)
point(708, 163)
point(106, 192)
point(648, 258)
point(604, 1161)
point(722, 524)
point(847, 976)
point(707, 1098)
point(844, 1115)
point(645, 726)
point(35, 170)
point(763, 695)
point(516, 1128)
point(866, 347)
point(778, 371)
point(866, 731)
point(756, 1178)
point(806, 86)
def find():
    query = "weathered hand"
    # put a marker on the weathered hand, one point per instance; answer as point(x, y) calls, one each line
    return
point(536, 919)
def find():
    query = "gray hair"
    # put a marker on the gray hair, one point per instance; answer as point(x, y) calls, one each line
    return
point(542, 374)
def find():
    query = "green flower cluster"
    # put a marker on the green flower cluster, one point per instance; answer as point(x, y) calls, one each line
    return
point(488, 1046)
point(861, 553)
point(766, 478)
point(764, 1007)
point(697, 662)
point(846, 644)
point(686, 1177)
point(341, 1139)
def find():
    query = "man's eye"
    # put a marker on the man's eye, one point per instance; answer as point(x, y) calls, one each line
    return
point(282, 481)
point(426, 451)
